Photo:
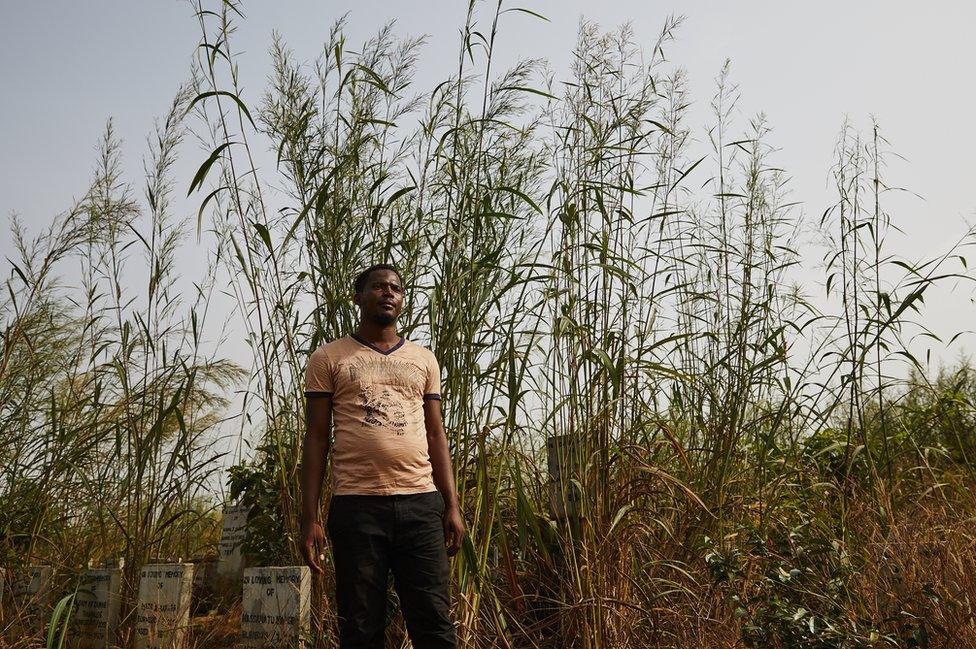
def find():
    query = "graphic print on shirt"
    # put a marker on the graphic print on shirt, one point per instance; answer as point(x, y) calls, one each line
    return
point(382, 385)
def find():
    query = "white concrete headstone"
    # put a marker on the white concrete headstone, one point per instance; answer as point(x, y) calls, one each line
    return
point(163, 613)
point(230, 562)
point(204, 577)
point(277, 607)
point(97, 609)
point(30, 592)
point(564, 494)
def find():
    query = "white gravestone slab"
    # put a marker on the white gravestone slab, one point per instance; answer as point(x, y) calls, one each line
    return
point(30, 592)
point(277, 607)
point(163, 614)
point(204, 580)
point(230, 561)
point(97, 609)
point(564, 495)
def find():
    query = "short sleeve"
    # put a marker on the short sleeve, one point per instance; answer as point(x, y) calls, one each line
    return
point(318, 375)
point(432, 388)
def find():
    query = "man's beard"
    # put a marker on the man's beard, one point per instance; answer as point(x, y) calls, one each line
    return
point(383, 319)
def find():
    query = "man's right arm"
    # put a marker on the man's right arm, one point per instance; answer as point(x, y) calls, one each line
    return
point(315, 450)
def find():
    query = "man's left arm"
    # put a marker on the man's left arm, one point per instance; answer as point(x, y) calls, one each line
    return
point(440, 462)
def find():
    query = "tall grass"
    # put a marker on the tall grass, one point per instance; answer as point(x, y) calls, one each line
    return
point(744, 451)
point(110, 400)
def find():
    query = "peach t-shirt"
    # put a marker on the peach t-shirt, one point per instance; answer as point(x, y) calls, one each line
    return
point(380, 440)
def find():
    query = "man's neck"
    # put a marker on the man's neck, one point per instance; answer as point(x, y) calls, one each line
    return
point(378, 334)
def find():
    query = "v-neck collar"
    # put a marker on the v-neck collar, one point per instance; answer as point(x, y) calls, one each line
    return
point(376, 349)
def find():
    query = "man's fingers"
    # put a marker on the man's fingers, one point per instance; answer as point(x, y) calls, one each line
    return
point(453, 535)
point(312, 558)
point(452, 539)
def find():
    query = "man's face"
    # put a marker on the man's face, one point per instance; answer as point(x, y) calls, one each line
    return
point(381, 300)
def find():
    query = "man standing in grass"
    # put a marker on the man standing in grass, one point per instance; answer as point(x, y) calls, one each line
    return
point(394, 505)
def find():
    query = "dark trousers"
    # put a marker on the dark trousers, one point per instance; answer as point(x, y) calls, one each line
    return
point(372, 536)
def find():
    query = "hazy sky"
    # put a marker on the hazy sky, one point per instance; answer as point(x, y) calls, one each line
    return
point(66, 66)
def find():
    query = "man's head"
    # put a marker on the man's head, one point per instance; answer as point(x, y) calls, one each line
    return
point(378, 291)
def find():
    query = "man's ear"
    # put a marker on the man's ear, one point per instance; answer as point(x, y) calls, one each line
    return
point(355, 298)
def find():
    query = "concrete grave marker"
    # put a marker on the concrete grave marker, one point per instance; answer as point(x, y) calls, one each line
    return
point(30, 593)
point(564, 495)
point(97, 609)
point(204, 572)
point(230, 561)
point(205, 583)
point(277, 607)
point(163, 613)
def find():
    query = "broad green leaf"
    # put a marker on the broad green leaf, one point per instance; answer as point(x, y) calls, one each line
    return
point(221, 93)
point(201, 174)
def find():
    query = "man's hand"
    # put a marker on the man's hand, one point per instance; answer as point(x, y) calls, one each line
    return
point(313, 544)
point(315, 449)
point(440, 463)
point(453, 529)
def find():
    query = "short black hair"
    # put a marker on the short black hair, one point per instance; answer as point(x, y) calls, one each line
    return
point(361, 278)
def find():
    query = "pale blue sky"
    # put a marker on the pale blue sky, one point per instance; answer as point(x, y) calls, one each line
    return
point(66, 66)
